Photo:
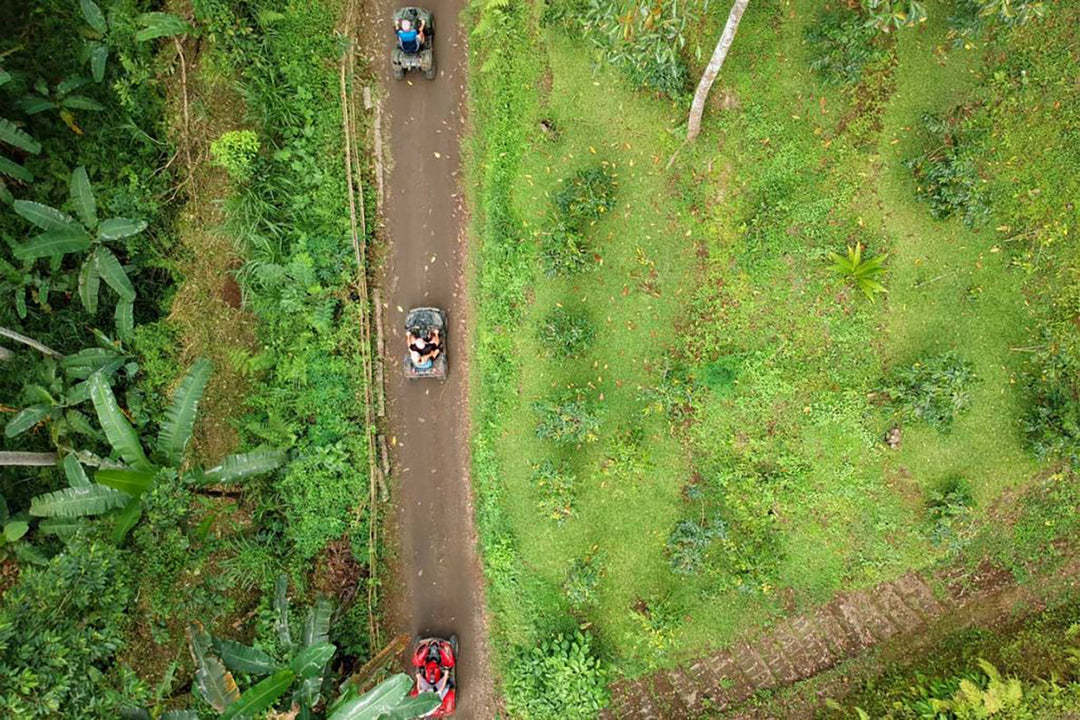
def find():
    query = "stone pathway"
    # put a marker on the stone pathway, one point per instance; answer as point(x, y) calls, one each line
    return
point(794, 650)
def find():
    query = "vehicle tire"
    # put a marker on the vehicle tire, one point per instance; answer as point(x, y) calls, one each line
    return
point(399, 72)
point(432, 72)
point(454, 645)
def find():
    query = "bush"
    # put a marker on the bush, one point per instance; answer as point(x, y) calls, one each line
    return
point(585, 197)
point(236, 151)
point(319, 491)
point(59, 627)
point(582, 579)
point(563, 252)
point(566, 420)
point(689, 542)
point(843, 46)
point(948, 510)
point(565, 332)
point(556, 488)
point(934, 391)
point(559, 680)
point(1052, 420)
point(947, 176)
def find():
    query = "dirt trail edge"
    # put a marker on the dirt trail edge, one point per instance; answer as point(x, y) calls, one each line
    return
point(425, 230)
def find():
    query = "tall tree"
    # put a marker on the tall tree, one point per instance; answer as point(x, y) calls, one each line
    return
point(713, 68)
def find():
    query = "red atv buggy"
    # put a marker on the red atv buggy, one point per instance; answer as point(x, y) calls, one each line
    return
point(435, 661)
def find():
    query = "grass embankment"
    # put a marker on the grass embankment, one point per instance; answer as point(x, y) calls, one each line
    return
point(738, 470)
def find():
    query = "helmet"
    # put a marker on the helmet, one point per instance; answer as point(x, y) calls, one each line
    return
point(432, 672)
point(406, 24)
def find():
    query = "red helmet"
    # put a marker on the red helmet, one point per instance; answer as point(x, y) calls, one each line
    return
point(432, 672)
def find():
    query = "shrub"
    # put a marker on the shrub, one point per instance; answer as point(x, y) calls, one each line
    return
point(948, 509)
point(319, 491)
point(582, 579)
point(843, 46)
point(947, 176)
point(585, 197)
point(656, 621)
point(563, 252)
point(236, 151)
point(556, 488)
point(58, 625)
point(689, 542)
point(1052, 420)
point(566, 420)
point(628, 457)
point(566, 332)
point(934, 391)
point(559, 680)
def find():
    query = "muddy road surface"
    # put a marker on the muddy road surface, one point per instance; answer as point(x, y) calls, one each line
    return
point(441, 590)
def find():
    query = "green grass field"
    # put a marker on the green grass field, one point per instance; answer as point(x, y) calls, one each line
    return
point(714, 271)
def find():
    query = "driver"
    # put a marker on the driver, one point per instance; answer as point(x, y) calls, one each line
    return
point(411, 39)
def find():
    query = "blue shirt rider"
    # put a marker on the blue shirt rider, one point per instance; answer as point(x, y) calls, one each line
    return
point(410, 38)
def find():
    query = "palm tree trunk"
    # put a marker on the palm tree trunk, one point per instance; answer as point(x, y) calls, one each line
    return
point(713, 68)
point(40, 347)
point(27, 459)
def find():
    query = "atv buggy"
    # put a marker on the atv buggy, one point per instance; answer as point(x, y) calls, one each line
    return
point(424, 57)
point(435, 663)
point(423, 322)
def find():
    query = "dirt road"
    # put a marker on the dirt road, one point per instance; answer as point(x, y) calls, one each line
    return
point(425, 219)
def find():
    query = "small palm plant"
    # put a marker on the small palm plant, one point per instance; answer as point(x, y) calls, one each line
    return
point(864, 272)
point(120, 486)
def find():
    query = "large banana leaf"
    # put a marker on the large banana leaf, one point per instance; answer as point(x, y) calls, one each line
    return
point(87, 362)
point(317, 623)
point(116, 228)
point(89, 284)
point(237, 467)
point(82, 197)
point(74, 472)
point(160, 24)
point(125, 319)
point(126, 519)
point(244, 658)
point(78, 502)
point(99, 56)
point(94, 16)
point(26, 419)
point(112, 272)
point(260, 697)
point(281, 611)
point(388, 701)
point(57, 241)
point(215, 683)
point(14, 170)
point(43, 216)
point(132, 482)
point(310, 662)
point(117, 429)
point(10, 134)
point(180, 417)
point(81, 102)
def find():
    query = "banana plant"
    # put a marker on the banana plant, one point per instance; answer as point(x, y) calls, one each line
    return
point(302, 668)
point(13, 529)
point(12, 136)
point(120, 487)
point(64, 235)
point(22, 282)
point(61, 98)
point(61, 386)
point(160, 25)
point(96, 48)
